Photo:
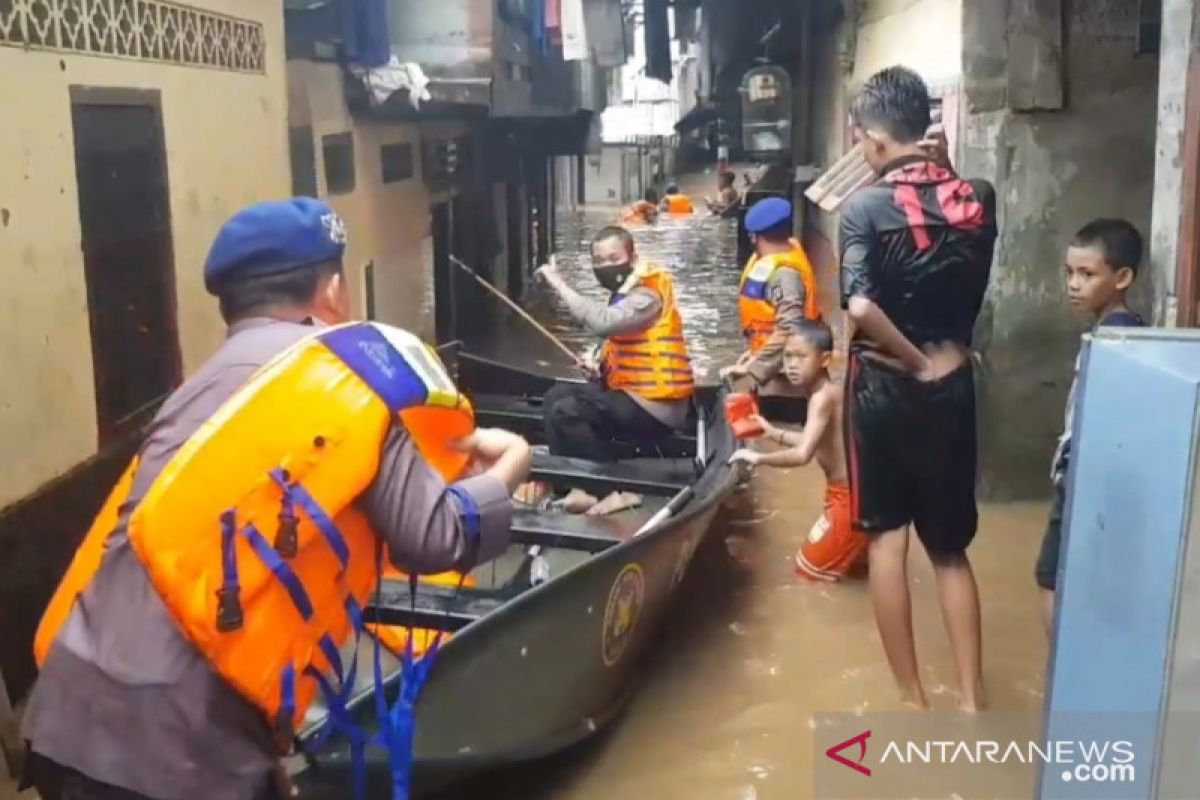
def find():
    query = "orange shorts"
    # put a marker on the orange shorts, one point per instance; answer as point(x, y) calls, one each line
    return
point(833, 547)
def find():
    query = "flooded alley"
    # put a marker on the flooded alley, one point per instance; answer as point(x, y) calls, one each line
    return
point(749, 653)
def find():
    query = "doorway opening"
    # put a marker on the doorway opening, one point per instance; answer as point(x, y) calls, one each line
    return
point(125, 222)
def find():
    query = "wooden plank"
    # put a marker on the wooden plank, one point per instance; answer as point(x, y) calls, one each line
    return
point(1035, 55)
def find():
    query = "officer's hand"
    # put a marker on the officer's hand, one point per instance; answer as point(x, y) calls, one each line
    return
point(734, 371)
point(549, 272)
point(589, 368)
point(502, 454)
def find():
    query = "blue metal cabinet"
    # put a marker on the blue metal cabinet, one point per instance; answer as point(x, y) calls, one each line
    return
point(1126, 657)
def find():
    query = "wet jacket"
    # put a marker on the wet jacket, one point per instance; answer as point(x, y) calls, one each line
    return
point(126, 699)
point(919, 243)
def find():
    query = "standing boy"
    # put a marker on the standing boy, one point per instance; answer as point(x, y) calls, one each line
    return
point(1102, 263)
point(833, 547)
point(916, 251)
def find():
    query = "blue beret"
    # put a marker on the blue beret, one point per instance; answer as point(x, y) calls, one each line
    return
point(672, 188)
point(767, 214)
point(274, 237)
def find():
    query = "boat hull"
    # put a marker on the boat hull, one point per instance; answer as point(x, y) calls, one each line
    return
point(552, 666)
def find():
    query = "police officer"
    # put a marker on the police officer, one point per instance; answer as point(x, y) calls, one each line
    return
point(125, 706)
point(777, 290)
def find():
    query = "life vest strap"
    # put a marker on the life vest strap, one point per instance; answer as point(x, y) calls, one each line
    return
point(285, 718)
point(296, 494)
point(229, 606)
point(280, 569)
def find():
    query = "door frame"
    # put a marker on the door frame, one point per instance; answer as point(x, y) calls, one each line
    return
point(147, 98)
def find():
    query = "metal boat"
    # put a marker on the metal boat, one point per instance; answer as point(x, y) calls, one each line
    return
point(543, 650)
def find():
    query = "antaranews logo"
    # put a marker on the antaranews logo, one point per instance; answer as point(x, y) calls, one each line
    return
point(996, 754)
point(859, 741)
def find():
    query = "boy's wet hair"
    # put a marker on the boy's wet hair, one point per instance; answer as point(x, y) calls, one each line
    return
point(895, 100)
point(650, 196)
point(815, 332)
point(1117, 239)
point(614, 232)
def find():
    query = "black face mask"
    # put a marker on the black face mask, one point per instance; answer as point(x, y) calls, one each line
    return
point(612, 276)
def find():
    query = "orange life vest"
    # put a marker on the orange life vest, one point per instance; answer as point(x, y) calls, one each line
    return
point(250, 536)
point(755, 308)
point(679, 204)
point(653, 363)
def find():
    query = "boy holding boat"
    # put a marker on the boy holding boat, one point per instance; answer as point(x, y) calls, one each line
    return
point(833, 547)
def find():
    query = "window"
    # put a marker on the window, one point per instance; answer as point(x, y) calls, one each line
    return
point(397, 162)
point(304, 161)
point(1149, 27)
point(338, 152)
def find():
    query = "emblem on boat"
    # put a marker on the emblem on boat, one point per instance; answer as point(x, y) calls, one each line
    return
point(621, 614)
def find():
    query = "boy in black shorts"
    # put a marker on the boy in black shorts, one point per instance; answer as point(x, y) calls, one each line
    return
point(916, 252)
point(1102, 263)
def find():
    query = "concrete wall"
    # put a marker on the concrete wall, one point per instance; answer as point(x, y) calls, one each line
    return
point(1053, 171)
point(1180, 43)
point(216, 163)
point(388, 224)
point(925, 35)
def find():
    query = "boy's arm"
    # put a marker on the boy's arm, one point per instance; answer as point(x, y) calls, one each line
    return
point(803, 446)
point(858, 289)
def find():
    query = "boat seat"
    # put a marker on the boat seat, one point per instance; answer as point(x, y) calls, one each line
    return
point(574, 531)
point(523, 415)
point(652, 476)
point(437, 607)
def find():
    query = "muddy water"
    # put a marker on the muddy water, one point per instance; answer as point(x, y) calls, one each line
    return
point(749, 654)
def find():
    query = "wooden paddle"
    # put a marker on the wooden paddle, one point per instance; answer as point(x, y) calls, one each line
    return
point(508, 301)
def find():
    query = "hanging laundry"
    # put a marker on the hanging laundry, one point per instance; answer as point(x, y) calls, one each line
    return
point(605, 32)
point(685, 24)
point(658, 41)
point(575, 34)
point(554, 21)
point(365, 32)
point(541, 36)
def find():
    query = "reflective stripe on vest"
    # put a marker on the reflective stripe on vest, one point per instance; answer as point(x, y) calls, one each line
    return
point(653, 363)
point(755, 308)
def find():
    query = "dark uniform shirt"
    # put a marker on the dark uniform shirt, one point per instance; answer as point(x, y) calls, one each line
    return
point(125, 699)
point(919, 244)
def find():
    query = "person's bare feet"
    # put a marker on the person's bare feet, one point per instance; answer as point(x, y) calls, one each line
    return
point(973, 702)
point(578, 501)
point(617, 501)
point(914, 699)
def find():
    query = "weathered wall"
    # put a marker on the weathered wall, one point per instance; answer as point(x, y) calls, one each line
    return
point(216, 163)
point(387, 223)
point(1180, 43)
point(1053, 171)
point(925, 35)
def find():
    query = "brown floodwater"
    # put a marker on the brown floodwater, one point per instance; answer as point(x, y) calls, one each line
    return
point(749, 654)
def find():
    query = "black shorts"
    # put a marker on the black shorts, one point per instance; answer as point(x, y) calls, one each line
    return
point(778, 408)
point(1046, 571)
point(911, 452)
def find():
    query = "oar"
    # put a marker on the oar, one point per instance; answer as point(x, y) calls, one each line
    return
point(508, 301)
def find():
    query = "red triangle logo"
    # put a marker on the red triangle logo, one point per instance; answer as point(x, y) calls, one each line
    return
point(835, 753)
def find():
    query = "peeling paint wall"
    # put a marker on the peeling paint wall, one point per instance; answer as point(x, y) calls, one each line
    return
point(226, 143)
point(1053, 171)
